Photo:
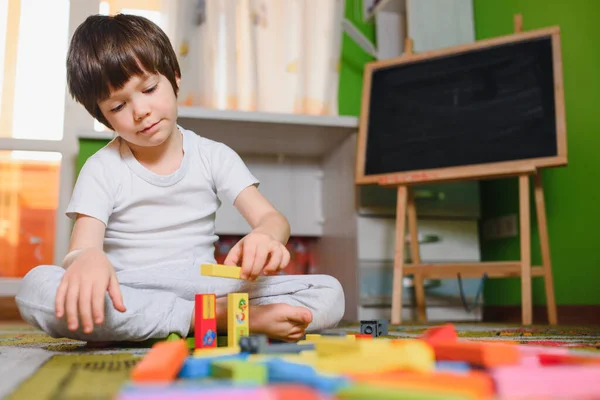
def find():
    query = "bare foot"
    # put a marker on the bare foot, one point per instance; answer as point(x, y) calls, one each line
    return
point(280, 321)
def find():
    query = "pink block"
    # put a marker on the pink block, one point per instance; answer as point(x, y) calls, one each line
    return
point(534, 350)
point(555, 381)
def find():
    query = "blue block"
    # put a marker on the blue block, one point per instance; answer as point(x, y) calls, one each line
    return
point(452, 366)
point(194, 368)
point(287, 372)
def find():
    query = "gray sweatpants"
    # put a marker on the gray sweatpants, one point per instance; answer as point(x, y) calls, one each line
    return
point(160, 300)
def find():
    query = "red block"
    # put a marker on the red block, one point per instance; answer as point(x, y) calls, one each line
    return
point(440, 334)
point(205, 328)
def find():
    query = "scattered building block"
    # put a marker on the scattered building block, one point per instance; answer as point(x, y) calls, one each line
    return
point(452, 366)
point(237, 318)
point(162, 363)
point(556, 382)
point(440, 334)
point(474, 385)
point(254, 344)
point(374, 327)
point(281, 371)
point(239, 371)
point(215, 352)
point(205, 391)
point(568, 359)
point(363, 336)
point(385, 392)
point(481, 354)
point(195, 368)
point(205, 329)
point(221, 271)
point(375, 356)
point(173, 336)
point(295, 392)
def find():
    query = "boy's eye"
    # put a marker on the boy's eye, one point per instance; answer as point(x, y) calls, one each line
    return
point(117, 108)
point(152, 89)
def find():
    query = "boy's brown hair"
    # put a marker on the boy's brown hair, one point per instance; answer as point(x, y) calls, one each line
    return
point(106, 51)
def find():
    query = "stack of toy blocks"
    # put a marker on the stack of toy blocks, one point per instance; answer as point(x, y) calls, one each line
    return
point(367, 365)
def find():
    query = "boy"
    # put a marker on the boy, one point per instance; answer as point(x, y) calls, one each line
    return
point(144, 209)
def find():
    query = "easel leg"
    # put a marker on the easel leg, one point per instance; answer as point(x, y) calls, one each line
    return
point(399, 256)
point(416, 257)
point(545, 247)
point(526, 305)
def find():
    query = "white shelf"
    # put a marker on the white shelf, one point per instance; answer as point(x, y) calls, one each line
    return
point(263, 132)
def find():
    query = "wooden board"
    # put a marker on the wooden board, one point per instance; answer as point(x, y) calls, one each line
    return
point(485, 109)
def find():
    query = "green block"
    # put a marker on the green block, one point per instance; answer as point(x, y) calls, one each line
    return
point(239, 371)
point(173, 337)
point(372, 392)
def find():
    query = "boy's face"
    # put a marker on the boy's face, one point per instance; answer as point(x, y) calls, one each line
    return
point(144, 111)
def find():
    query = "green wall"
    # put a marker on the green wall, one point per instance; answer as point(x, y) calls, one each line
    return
point(572, 193)
point(353, 61)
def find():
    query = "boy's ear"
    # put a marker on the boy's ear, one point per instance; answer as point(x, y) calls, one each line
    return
point(178, 81)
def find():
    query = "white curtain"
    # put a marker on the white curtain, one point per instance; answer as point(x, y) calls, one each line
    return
point(259, 55)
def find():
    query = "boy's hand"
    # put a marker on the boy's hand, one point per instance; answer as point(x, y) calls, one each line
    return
point(258, 252)
point(83, 288)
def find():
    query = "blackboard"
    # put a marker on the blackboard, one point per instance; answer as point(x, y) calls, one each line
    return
point(490, 104)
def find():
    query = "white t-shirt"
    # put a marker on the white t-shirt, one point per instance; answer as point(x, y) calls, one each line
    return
point(155, 219)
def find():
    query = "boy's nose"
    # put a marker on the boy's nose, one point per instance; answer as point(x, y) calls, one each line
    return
point(140, 110)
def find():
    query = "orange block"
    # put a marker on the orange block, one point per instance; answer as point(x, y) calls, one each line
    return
point(478, 353)
point(473, 385)
point(162, 363)
point(440, 334)
point(294, 392)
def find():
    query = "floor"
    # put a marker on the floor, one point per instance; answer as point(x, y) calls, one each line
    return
point(42, 367)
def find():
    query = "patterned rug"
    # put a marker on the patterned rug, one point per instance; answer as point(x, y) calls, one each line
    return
point(34, 365)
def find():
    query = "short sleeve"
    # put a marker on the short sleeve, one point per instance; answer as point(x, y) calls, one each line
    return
point(230, 173)
point(94, 192)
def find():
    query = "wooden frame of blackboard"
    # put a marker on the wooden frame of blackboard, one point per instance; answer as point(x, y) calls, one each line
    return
point(478, 171)
point(406, 210)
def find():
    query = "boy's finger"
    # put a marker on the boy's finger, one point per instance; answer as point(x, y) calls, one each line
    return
point(249, 253)
point(114, 291)
point(274, 262)
point(59, 301)
point(85, 307)
point(260, 259)
point(98, 293)
point(71, 305)
point(233, 257)
point(285, 258)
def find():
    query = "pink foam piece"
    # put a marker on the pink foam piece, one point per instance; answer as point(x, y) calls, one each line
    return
point(530, 361)
point(534, 350)
point(554, 382)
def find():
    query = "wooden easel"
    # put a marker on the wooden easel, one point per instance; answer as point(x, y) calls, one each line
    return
point(522, 268)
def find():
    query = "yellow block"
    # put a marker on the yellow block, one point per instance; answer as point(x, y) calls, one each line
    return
point(221, 271)
point(237, 318)
point(379, 356)
point(216, 351)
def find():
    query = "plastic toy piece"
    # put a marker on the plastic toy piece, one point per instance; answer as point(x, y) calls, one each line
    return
point(197, 368)
point(173, 336)
point(221, 271)
point(239, 371)
point(384, 392)
point(257, 344)
point(486, 355)
point(205, 330)
point(374, 327)
point(237, 318)
point(219, 351)
point(162, 363)
point(281, 371)
point(472, 385)
point(556, 382)
point(440, 334)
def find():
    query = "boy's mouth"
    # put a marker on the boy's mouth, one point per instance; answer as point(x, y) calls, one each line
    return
point(148, 129)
